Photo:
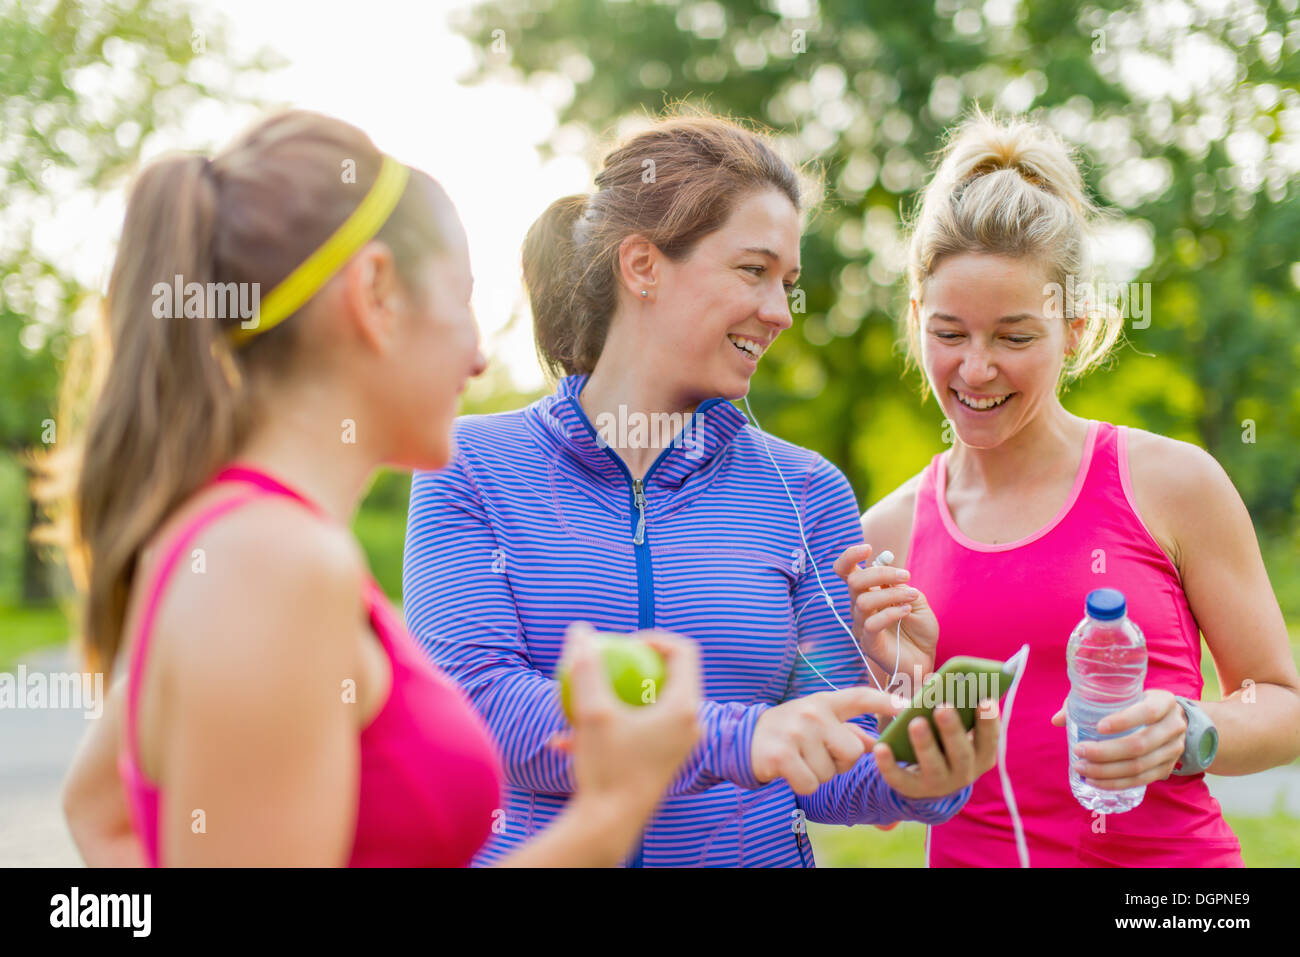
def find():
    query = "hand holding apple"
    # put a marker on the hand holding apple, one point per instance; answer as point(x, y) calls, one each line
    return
point(625, 756)
point(635, 669)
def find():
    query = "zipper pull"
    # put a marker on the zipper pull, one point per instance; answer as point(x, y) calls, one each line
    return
point(638, 495)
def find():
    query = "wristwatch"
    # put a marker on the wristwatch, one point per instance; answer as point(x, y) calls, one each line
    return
point(1202, 741)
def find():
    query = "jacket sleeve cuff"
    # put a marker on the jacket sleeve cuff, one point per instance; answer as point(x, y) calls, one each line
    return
point(729, 727)
point(927, 810)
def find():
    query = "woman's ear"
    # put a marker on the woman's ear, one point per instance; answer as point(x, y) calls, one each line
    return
point(372, 296)
point(1074, 334)
point(638, 266)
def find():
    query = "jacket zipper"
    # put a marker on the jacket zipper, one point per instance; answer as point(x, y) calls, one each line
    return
point(638, 503)
point(645, 602)
point(645, 599)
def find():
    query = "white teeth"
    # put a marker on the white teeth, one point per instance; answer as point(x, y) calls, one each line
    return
point(981, 404)
point(746, 345)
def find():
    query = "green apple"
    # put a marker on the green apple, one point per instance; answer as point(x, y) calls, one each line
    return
point(636, 671)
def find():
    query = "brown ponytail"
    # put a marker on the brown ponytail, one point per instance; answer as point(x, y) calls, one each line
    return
point(673, 183)
point(566, 329)
point(176, 400)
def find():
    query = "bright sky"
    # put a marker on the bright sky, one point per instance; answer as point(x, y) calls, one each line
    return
point(391, 68)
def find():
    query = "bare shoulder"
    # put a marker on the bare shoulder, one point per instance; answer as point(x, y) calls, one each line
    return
point(1177, 485)
point(266, 585)
point(888, 523)
point(1162, 468)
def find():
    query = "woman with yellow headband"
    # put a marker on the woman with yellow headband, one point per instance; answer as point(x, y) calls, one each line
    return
point(268, 706)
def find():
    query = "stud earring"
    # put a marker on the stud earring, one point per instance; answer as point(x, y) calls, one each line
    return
point(644, 293)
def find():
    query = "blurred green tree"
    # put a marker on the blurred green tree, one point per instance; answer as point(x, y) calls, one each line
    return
point(83, 86)
point(1187, 114)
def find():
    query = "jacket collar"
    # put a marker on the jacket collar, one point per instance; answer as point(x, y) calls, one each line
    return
point(704, 435)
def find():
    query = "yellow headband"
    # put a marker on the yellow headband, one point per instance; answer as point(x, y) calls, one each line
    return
point(295, 289)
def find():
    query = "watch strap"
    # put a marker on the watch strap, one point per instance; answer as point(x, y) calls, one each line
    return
point(1201, 743)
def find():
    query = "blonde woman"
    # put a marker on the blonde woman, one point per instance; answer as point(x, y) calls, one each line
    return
point(1033, 507)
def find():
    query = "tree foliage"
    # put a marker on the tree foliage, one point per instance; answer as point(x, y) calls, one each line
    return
point(1186, 113)
point(83, 87)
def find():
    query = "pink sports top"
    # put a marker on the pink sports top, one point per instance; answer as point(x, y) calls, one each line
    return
point(990, 599)
point(429, 773)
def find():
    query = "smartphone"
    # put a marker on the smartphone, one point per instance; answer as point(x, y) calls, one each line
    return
point(962, 682)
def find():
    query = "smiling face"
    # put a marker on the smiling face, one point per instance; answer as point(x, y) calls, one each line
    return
point(719, 309)
point(990, 350)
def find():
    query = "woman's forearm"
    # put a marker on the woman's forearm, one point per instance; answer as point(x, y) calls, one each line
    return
point(95, 810)
point(106, 848)
point(96, 813)
point(1259, 728)
point(94, 804)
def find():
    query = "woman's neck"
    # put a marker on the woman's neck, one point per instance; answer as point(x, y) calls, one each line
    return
point(1037, 452)
point(307, 438)
point(631, 393)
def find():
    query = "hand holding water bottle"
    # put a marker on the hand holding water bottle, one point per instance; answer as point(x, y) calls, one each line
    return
point(1121, 738)
point(1137, 759)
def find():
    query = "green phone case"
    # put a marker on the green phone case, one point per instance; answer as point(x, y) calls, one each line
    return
point(961, 682)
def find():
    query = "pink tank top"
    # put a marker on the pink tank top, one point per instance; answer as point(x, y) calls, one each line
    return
point(429, 773)
point(990, 599)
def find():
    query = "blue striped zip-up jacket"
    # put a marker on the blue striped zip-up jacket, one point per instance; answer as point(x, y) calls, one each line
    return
point(536, 524)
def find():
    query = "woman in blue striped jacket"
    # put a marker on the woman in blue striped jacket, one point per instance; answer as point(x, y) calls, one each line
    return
point(637, 496)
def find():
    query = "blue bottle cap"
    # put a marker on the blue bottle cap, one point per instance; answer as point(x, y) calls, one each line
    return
point(1105, 604)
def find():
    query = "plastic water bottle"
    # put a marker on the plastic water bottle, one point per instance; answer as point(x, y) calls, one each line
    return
point(1107, 661)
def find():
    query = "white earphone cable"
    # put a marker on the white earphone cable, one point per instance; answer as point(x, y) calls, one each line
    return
point(1021, 657)
point(808, 555)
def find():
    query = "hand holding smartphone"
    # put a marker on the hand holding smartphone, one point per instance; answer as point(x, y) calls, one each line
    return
point(962, 682)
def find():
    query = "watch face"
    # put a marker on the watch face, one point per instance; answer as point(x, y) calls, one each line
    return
point(1207, 746)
